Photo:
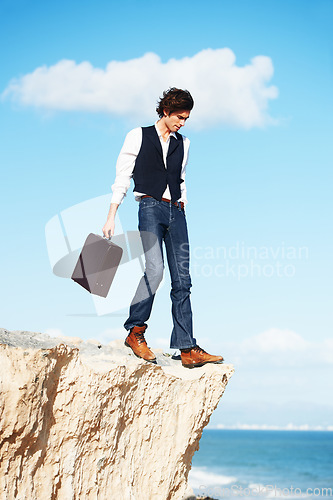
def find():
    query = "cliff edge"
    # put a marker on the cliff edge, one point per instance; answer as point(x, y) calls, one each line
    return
point(81, 420)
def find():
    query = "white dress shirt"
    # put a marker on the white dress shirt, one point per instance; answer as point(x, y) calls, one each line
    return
point(126, 161)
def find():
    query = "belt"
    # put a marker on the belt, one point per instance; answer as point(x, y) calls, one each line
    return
point(176, 203)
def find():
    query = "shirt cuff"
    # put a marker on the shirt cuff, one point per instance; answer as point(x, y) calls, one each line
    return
point(117, 198)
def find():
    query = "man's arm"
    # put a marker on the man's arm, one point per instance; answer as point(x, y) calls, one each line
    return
point(124, 173)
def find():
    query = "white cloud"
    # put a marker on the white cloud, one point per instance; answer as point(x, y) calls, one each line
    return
point(224, 93)
point(275, 340)
point(280, 348)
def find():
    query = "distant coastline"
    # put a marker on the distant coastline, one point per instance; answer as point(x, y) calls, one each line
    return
point(263, 427)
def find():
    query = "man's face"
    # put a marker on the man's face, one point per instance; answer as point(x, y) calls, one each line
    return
point(176, 120)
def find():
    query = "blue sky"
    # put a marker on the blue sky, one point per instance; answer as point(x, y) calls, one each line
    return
point(265, 186)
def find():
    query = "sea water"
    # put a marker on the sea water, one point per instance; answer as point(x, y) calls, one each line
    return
point(263, 464)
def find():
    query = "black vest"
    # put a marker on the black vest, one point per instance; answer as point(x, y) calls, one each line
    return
point(150, 175)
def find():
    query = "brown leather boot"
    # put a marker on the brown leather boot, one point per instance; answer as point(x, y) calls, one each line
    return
point(136, 341)
point(198, 357)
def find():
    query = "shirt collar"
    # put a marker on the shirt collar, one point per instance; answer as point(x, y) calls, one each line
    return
point(172, 134)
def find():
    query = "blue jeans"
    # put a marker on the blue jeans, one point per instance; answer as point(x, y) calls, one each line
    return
point(162, 221)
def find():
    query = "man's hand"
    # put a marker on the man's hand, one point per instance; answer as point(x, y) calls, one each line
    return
point(108, 229)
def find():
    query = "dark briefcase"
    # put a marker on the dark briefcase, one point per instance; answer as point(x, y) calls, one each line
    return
point(97, 264)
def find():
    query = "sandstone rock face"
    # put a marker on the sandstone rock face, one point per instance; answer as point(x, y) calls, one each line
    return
point(83, 421)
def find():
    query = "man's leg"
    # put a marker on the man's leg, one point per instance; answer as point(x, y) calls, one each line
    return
point(178, 255)
point(152, 228)
point(141, 305)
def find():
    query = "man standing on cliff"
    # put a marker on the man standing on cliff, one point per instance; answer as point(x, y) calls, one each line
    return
point(156, 158)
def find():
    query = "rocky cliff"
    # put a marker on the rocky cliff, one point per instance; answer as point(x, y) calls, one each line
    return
point(84, 421)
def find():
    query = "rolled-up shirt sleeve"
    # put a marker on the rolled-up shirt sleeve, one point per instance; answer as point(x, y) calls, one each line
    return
point(125, 164)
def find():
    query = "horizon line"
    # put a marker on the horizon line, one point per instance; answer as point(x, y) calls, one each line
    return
point(266, 427)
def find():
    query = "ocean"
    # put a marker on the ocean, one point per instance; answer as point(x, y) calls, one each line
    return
point(266, 464)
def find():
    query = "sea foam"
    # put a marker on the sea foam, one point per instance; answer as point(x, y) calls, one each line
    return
point(199, 477)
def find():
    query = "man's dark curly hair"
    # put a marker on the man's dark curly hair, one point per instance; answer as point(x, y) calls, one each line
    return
point(174, 100)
